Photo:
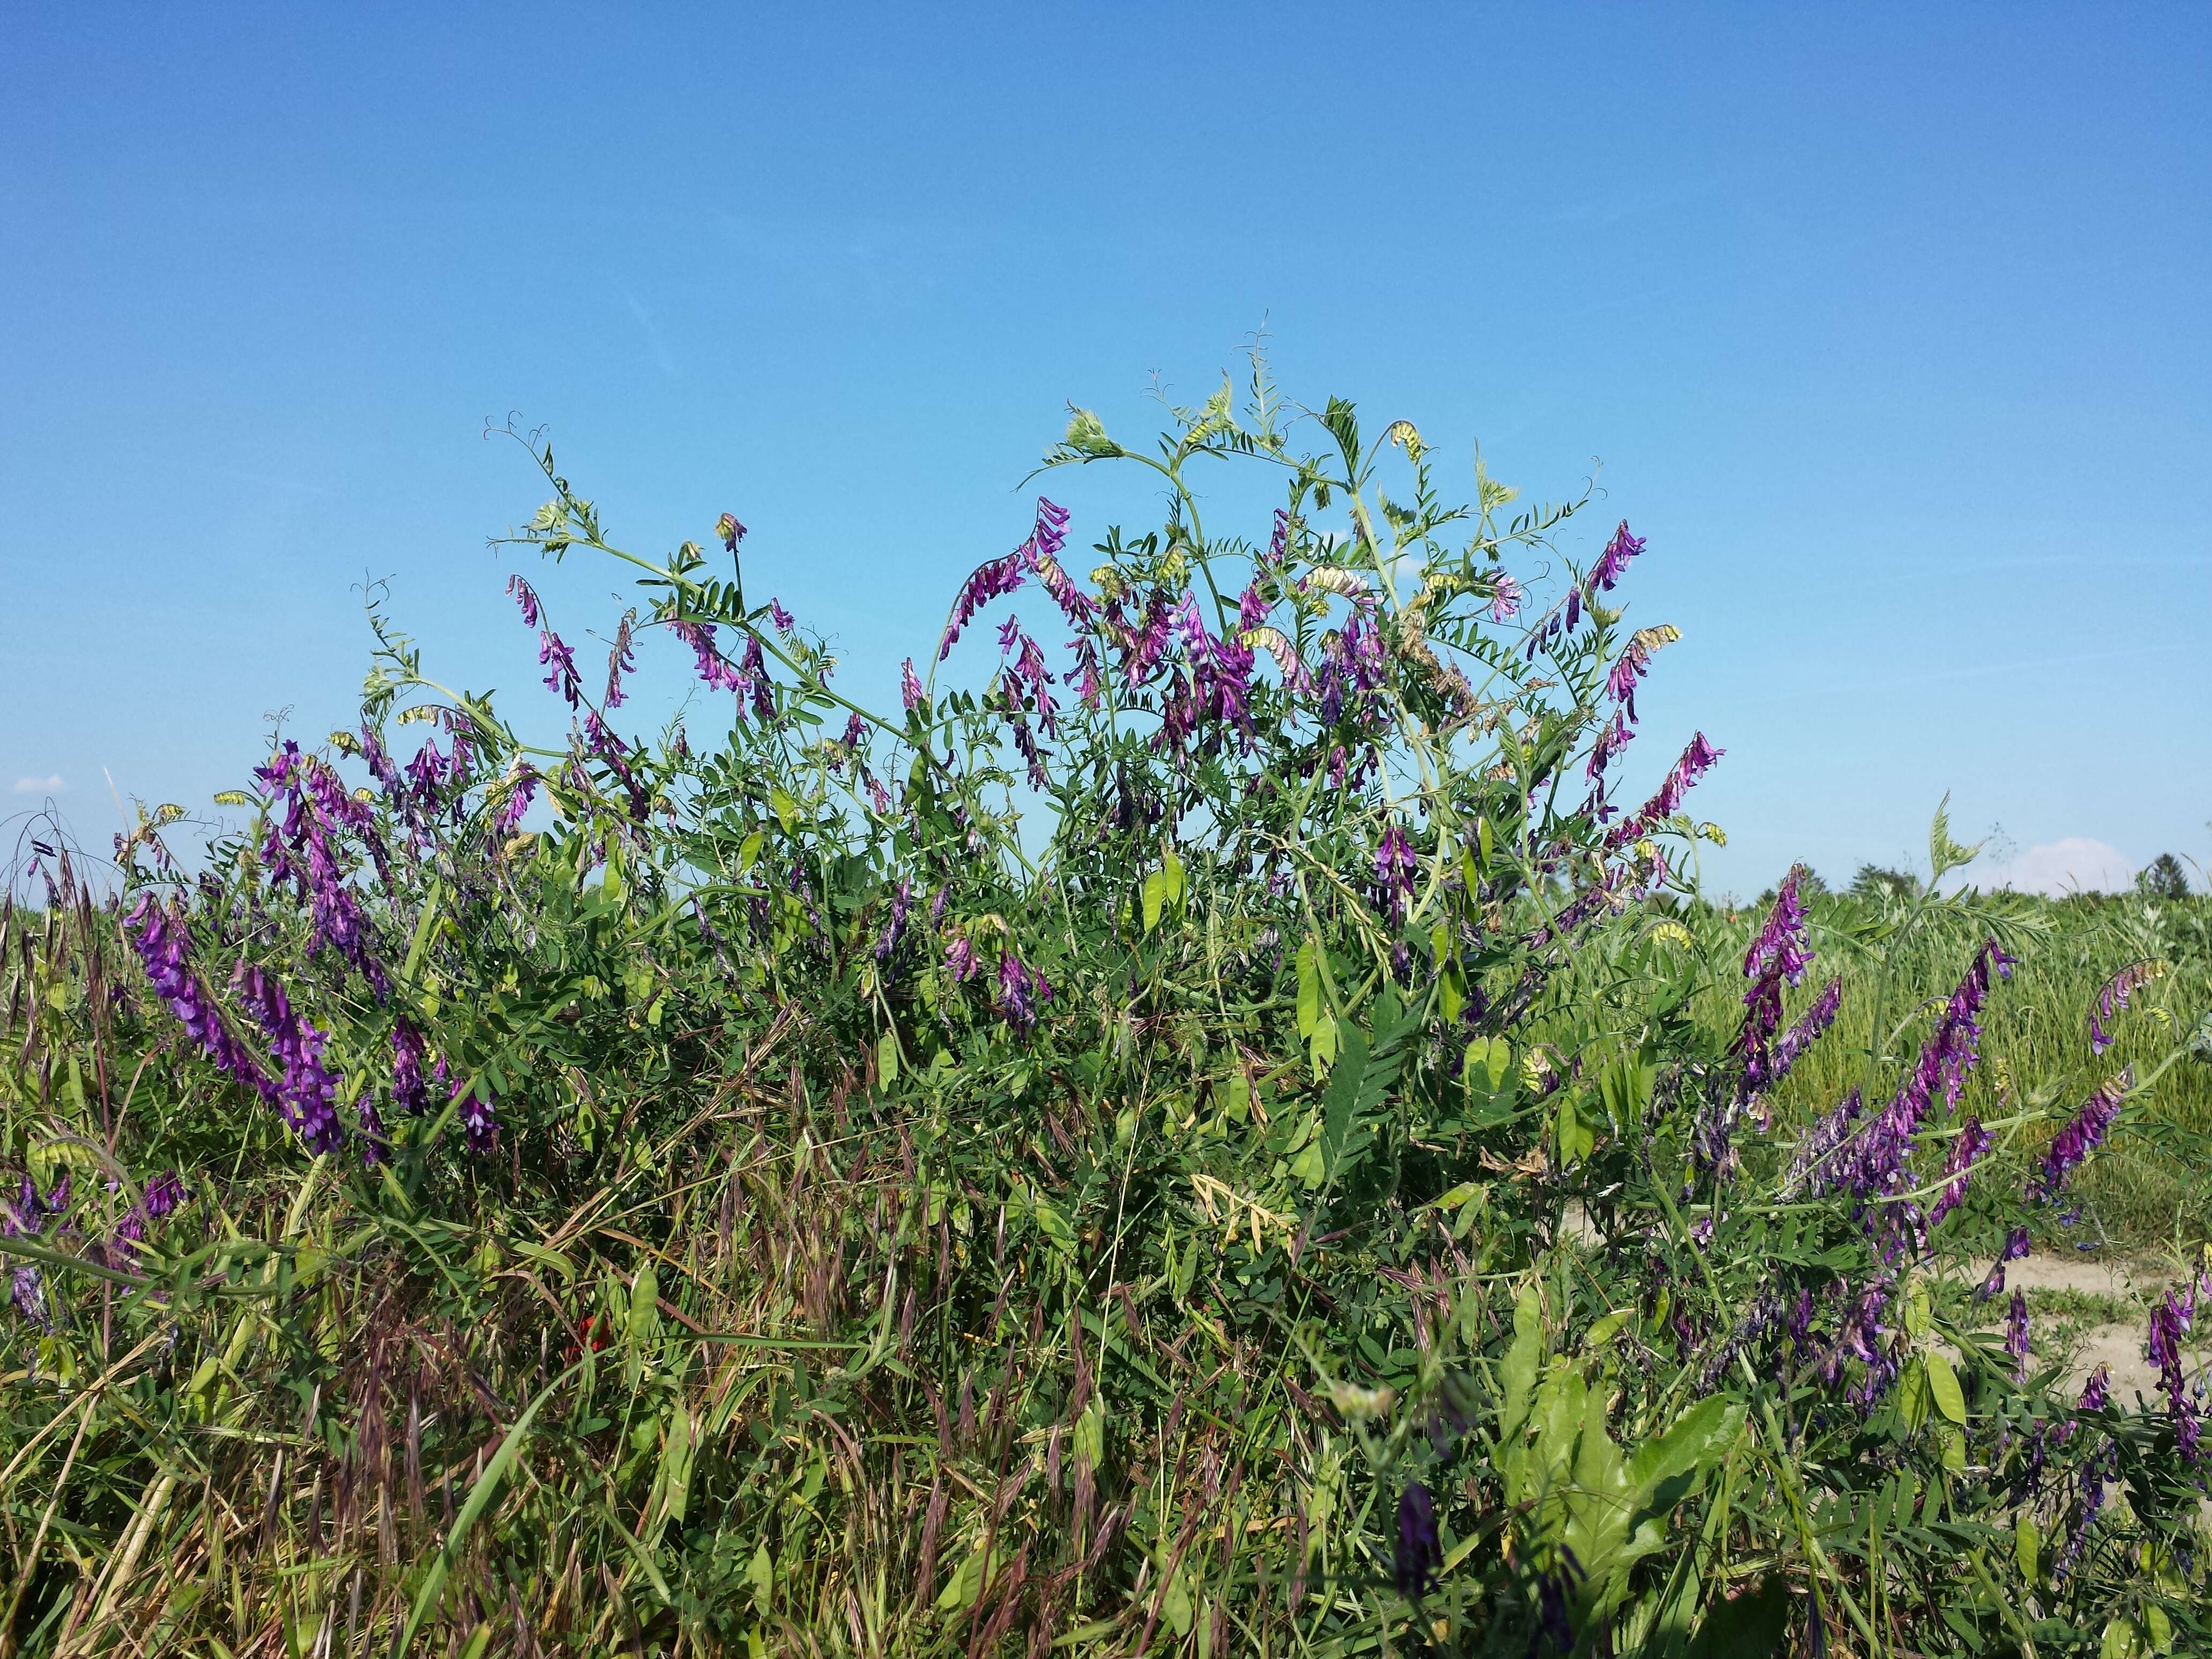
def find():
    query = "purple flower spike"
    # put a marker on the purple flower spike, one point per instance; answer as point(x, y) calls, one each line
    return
point(894, 928)
point(2081, 1136)
point(309, 1095)
point(2113, 997)
point(1697, 760)
point(909, 686)
point(553, 652)
point(1394, 862)
point(2016, 1334)
point(2169, 1324)
point(1777, 955)
point(408, 1091)
point(1614, 559)
point(165, 948)
point(960, 958)
point(1810, 1025)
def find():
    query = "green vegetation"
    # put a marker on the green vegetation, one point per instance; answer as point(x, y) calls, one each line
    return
point(1223, 1138)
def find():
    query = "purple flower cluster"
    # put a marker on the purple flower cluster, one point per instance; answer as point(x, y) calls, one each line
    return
point(2084, 1133)
point(479, 1124)
point(1612, 738)
point(1635, 662)
point(1504, 599)
point(1021, 989)
point(1351, 678)
point(621, 661)
point(1823, 1137)
point(1873, 1166)
point(731, 531)
point(718, 674)
point(298, 849)
point(522, 789)
point(894, 927)
point(307, 1093)
point(408, 1093)
point(165, 947)
point(526, 596)
point(1613, 562)
point(960, 959)
point(2113, 998)
point(26, 1217)
point(2015, 1247)
point(1778, 956)
point(1219, 684)
point(2016, 1335)
point(2170, 1322)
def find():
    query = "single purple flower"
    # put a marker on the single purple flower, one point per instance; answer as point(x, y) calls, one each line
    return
point(730, 530)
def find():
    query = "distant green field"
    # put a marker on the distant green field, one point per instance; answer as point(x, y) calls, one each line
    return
point(2153, 1182)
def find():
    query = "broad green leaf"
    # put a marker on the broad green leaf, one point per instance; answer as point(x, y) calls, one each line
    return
point(1943, 1385)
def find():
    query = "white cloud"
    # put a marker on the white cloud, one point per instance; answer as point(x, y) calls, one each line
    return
point(2073, 865)
point(52, 786)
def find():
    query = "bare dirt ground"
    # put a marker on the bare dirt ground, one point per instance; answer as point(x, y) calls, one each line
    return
point(2119, 1347)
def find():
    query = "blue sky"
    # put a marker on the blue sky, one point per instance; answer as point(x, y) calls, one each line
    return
point(1889, 326)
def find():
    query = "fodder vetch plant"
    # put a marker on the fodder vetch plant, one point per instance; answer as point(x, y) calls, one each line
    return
point(1193, 1132)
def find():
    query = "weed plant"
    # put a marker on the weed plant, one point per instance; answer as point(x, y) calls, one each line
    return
point(1215, 1133)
